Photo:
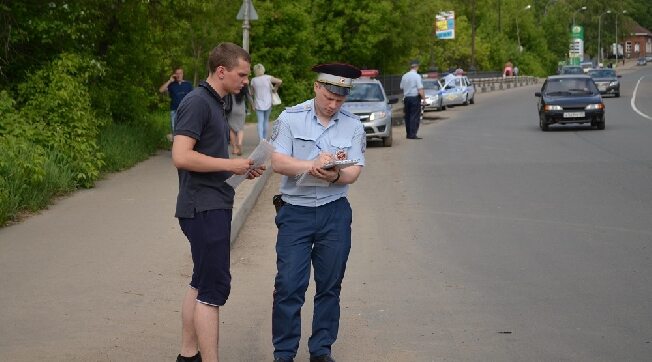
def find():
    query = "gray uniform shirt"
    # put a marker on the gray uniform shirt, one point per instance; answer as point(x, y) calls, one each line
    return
point(298, 133)
point(411, 83)
point(201, 116)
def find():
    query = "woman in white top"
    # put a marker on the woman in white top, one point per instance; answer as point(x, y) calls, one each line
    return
point(262, 86)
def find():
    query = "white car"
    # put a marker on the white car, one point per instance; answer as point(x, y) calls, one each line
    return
point(458, 89)
point(434, 95)
point(368, 101)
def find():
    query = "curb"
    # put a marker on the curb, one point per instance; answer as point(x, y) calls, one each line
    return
point(241, 208)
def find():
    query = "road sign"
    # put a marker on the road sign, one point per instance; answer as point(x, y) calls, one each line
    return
point(252, 12)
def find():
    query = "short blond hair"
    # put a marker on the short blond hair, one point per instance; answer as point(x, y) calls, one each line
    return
point(259, 69)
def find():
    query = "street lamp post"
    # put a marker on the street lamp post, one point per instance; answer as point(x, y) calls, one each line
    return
point(624, 12)
point(600, 35)
point(518, 35)
point(576, 11)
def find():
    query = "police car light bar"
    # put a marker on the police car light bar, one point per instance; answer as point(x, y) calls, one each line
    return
point(369, 73)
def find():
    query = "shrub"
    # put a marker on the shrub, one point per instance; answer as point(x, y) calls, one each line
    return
point(56, 114)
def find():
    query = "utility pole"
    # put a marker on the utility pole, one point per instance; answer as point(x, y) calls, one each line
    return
point(623, 12)
point(499, 28)
point(472, 66)
point(600, 35)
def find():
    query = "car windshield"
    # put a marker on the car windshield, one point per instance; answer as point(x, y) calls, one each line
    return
point(572, 70)
point(431, 84)
point(602, 73)
point(570, 86)
point(365, 92)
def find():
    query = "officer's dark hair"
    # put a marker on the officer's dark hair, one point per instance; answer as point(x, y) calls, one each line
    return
point(226, 55)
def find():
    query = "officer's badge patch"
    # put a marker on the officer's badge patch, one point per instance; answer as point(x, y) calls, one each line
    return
point(275, 130)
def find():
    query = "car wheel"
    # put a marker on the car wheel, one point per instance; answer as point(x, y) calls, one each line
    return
point(617, 95)
point(543, 124)
point(472, 101)
point(387, 141)
point(601, 124)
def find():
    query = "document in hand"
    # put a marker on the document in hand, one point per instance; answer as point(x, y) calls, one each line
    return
point(340, 164)
point(306, 179)
point(261, 155)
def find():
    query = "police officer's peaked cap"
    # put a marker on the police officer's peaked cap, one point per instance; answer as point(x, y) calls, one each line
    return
point(337, 77)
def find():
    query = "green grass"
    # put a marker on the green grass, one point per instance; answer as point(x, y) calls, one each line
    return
point(124, 145)
point(121, 146)
point(20, 193)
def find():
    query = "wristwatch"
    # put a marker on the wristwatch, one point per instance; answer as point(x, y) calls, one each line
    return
point(337, 178)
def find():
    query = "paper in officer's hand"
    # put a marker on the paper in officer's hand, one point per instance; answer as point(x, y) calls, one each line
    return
point(339, 164)
point(306, 179)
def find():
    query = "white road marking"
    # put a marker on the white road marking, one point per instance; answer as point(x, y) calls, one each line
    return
point(633, 101)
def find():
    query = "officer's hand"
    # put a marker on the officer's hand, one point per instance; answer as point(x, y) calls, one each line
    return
point(240, 166)
point(328, 175)
point(322, 159)
point(256, 172)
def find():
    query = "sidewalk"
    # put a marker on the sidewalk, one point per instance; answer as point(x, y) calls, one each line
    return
point(99, 275)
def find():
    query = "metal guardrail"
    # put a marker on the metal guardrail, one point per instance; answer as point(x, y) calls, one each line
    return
point(494, 83)
point(484, 82)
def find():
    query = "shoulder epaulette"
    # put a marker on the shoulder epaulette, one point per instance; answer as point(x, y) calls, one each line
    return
point(298, 108)
point(347, 113)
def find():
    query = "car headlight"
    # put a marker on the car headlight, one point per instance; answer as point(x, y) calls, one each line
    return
point(552, 107)
point(377, 115)
point(594, 106)
point(614, 83)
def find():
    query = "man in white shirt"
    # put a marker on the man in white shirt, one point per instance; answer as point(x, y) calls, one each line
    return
point(413, 96)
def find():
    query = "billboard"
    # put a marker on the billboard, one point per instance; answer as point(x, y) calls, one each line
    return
point(576, 49)
point(445, 25)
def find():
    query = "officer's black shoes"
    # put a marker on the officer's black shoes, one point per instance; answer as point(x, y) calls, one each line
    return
point(195, 358)
point(324, 358)
point(283, 360)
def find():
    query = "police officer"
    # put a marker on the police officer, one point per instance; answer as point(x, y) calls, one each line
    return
point(314, 224)
point(413, 96)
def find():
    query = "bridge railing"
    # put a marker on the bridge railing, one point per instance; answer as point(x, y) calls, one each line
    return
point(484, 82)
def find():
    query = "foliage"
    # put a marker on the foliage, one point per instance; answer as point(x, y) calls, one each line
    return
point(56, 114)
point(125, 144)
point(79, 78)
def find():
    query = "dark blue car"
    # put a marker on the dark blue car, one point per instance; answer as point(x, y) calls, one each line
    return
point(570, 99)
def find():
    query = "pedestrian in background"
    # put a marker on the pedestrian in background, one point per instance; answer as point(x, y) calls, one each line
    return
point(413, 96)
point(263, 85)
point(508, 69)
point(314, 222)
point(177, 88)
point(236, 119)
point(200, 152)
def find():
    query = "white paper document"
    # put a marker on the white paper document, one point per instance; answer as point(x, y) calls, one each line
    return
point(340, 164)
point(306, 179)
point(261, 155)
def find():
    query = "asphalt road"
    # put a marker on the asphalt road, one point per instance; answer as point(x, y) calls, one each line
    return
point(488, 240)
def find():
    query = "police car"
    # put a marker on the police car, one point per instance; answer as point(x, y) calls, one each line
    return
point(368, 101)
point(458, 89)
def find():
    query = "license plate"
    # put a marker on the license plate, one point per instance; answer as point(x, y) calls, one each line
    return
point(602, 87)
point(573, 114)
